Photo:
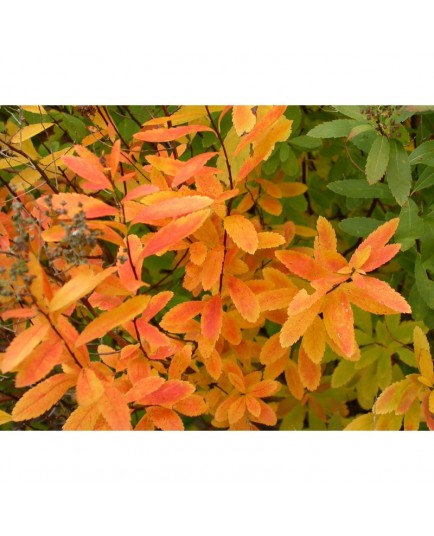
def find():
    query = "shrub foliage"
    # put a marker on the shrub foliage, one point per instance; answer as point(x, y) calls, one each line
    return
point(216, 267)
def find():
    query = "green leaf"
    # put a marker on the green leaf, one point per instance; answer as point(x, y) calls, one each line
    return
point(284, 152)
point(419, 309)
point(358, 188)
point(359, 227)
point(407, 356)
point(424, 154)
point(425, 180)
point(398, 173)
point(360, 129)
point(343, 373)
point(378, 158)
point(305, 143)
point(410, 226)
point(290, 166)
point(339, 128)
point(384, 370)
point(355, 112)
point(424, 285)
point(427, 238)
point(370, 354)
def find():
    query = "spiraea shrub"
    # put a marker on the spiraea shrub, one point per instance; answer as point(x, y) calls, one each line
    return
point(216, 267)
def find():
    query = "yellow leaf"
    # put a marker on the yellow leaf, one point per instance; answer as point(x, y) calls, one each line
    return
point(34, 109)
point(363, 423)
point(29, 131)
point(423, 355)
point(4, 417)
point(111, 319)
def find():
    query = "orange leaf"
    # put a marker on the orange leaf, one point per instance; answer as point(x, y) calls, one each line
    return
point(271, 350)
point(379, 238)
point(310, 372)
point(380, 257)
point(296, 325)
point(89, 387)
point(40, 362)
point(172, 208)
point(180, 362)
point(268, 240)
point(77, 287)
point(23, 344)
point(363, 301)
point(242, 232)
point(213, 365)
point(165, 419)
point(314, 340)
point(111, 319)
point(191, 168)
point(264, 388)
point(212, 267)
point(169, 134)
point(192, 406)
point(157, 302)
point(177, 319)
point(303, 301)
point(253, 406)
point(237, 410)
point(261, 126)
point(293, 381)
point(267, 415)
point(301, 265)
point(41, 398)
point(174, 232)
point(144, 387)
point(140, 191)
point(74, 203)
point(326, 235)
point(244, 299)
point(89, 171)
point(169, 393)
point(390, 397)
point(114, 409)
point(212, 318)
point(83, 418)
point(272, 300)
point(339, 321)
point(381, 292)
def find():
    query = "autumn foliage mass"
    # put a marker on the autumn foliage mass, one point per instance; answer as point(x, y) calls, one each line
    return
point(216, 267)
